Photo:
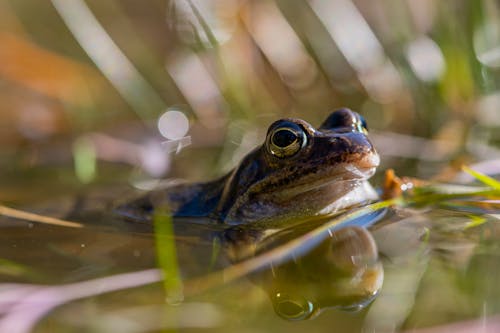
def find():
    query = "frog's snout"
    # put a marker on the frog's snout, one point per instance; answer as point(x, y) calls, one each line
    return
point(370, 161)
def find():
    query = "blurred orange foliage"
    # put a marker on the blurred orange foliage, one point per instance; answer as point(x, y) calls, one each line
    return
point(45, 72)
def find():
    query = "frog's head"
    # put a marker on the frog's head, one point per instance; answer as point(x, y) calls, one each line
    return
point(339, 148)
point(300, 170)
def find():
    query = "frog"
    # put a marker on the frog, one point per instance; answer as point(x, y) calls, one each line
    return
point(299, 171)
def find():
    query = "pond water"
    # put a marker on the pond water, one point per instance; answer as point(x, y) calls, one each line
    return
point(413, 268)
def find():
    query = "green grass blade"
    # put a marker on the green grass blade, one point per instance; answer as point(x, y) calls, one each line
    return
point(491, 182)
point(475, 221)
point(166, 252)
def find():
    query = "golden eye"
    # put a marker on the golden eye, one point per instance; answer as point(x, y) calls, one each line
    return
point(361, 125)
point(286, 141)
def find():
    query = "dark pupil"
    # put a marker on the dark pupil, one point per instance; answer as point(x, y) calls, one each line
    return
point(284, 138)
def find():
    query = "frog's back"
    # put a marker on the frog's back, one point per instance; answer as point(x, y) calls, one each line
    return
point(191, 200)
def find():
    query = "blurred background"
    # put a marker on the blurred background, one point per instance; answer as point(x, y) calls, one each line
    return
point(121, 91)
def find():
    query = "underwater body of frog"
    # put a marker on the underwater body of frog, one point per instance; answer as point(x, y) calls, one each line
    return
point(298, 172)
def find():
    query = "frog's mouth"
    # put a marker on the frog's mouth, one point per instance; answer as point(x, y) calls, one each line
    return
point(361, 169)
point(336, 180)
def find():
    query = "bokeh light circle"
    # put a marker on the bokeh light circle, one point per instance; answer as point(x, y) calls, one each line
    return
point(173, 124)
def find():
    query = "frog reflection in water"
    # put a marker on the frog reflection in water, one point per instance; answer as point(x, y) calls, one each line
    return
point(298, 172)
point(343, 271)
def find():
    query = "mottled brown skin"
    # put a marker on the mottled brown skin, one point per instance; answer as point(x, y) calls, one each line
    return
point(312, 179)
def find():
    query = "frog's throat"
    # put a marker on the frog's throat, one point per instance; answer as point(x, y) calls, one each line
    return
point(363, 192)
point(346, 176)
point(317, 202)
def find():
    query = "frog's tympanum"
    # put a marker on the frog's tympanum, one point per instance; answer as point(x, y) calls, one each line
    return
point(343, 271)
point(299, 171)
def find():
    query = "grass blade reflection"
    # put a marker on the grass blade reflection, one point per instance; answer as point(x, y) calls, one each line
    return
point(167, 255)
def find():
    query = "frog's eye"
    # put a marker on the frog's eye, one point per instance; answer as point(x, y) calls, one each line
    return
point(342, 118)
point(346, 120)
point(364, 125)
point(287, 140)
point(292, 309)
